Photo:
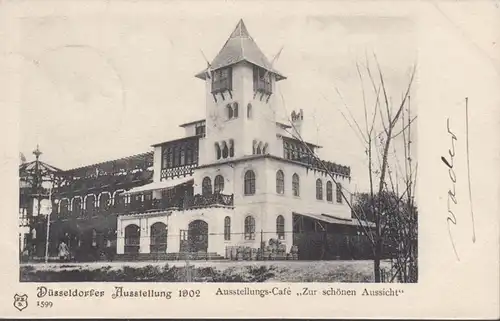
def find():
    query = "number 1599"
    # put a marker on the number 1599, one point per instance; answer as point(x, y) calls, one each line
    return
point(44, 304)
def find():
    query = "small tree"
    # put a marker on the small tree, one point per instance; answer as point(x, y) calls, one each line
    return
point(390, 208)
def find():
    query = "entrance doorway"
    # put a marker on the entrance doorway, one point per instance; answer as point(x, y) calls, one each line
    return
point(132, 239)
point(158, 238)
point(198, 236)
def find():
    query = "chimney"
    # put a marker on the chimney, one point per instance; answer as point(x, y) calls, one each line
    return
point(297, 120)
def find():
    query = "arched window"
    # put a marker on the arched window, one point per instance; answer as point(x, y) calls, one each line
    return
point(264, 149)
point(229, 111)
point(254, 145)
point(225, 151)
point(259, 151)
point(90, 205)
point(206, 186)
point(132, 238)
point(280, 227)
point(231, 148)
point(295, 185)
point(235, 110)
point(217, 151)
point(249, 182)
point(218, 184)
point(249, 110)
point(249, 228)
point(280, 182)
point(158, 238)
point(77, 206)
point(64, 207)
point(118, 198)
point(319, 189)
point(339, 193)
point(104, 201)
point(329, 191)
point(227, 228)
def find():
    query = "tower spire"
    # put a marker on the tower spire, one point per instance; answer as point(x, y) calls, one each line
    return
point(240, 31)
point(239, 47)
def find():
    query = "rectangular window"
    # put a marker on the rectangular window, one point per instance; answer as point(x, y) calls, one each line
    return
point(222, 80)
point(170, 157)
point(176, 156)
point(189, 155)
point(200, 130)
point(183, 156)
point(262, 80)
point(339, 193)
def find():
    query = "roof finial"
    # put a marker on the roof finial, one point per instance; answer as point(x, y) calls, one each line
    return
point(37, 152)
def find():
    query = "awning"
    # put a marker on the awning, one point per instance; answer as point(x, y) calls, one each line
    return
point(162, 185)
point(336, 220)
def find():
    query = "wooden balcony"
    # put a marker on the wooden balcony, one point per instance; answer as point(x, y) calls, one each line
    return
point(189, 202)
point(199, 200)
point(263, 86)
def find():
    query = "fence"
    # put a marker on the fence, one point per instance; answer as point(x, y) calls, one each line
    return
point(286, 245)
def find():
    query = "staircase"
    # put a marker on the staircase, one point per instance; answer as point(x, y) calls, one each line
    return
point(176, 256)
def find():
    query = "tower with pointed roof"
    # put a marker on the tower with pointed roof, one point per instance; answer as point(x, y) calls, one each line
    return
point(240, 90)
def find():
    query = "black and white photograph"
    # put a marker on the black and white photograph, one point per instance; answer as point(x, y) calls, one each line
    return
point(255, 159)
point(218, 149)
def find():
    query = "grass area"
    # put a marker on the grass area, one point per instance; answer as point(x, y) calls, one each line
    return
point(204, 271)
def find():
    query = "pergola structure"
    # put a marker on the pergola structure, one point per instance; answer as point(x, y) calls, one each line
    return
point(37, 178)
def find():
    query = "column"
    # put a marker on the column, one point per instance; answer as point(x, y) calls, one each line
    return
point(120, 237)
point(173, 238)
point(145, 240)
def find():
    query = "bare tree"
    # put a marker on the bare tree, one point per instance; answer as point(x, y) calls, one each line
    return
point(395, 225)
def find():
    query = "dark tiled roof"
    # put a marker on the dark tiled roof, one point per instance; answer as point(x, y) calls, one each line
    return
point(178, 140)
point(200, 121)
point(43, 167)
point(130, 162)
point(240, 47)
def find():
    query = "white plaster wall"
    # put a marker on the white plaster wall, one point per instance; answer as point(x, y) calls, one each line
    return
point(190, 130)
point(261, 126)
point(225, 170)
point(306, 202)
point(177, 221)
point(226, 129)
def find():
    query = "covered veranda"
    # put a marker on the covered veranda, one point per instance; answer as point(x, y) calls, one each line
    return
point(326, 237)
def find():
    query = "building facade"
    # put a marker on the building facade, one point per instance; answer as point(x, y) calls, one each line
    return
point(81, 204)
point(238, 177)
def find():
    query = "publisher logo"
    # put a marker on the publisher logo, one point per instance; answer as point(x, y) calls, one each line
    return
point(20, 301)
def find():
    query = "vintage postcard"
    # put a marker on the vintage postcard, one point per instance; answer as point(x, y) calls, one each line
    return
point(306, 159)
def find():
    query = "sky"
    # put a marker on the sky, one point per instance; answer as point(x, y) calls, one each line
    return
point(107, 81)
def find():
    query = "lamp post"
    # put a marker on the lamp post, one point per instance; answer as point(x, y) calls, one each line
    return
point(48, 226)
point(35, 194)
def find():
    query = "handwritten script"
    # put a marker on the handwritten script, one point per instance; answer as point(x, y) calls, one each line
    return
point(451, 218)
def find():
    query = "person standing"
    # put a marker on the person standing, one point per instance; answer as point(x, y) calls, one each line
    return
point(63, 251)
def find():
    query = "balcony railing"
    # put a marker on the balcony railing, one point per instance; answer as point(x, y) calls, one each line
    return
point(263, 86)
point(199, 200)
point(189, 202)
